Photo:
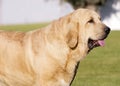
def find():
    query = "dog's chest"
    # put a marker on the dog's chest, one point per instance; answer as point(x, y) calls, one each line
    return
point(63, 83)
point(70, 77)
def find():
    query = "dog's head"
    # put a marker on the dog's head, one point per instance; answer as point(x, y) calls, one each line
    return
point(87, 31)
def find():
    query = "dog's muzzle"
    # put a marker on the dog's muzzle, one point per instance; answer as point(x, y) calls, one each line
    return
point(100, 42)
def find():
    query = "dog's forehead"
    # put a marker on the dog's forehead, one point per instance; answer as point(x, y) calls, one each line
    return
point(91, 13)
point(83, 15)
point(86, 12)
point(96, 15)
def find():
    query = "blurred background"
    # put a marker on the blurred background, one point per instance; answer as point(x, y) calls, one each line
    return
point(102, 66)
point(37, 11)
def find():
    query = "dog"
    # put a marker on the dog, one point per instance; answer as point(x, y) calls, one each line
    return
point(50, 56)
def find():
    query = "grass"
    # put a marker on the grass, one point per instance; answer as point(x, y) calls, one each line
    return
point(100, 68)
point(23, 27)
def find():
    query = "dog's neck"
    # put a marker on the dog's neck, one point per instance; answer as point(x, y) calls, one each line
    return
point(72, 65)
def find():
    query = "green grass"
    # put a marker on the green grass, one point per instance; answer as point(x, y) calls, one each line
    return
point(100, 68)
point(23, 27)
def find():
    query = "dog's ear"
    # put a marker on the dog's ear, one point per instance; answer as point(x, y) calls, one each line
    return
point(72, 37)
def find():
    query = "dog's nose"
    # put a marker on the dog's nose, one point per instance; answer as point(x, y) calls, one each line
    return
point(107, 30)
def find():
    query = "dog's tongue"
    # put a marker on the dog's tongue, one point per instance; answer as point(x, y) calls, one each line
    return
point(101, 42)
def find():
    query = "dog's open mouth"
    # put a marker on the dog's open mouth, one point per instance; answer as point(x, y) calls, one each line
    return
point(95, 43)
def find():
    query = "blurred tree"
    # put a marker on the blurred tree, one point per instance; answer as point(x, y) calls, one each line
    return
point(92, 4)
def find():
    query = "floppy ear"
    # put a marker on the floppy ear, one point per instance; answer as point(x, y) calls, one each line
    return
point(72, 38)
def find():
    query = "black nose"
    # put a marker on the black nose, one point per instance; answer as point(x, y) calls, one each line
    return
point(107, 30)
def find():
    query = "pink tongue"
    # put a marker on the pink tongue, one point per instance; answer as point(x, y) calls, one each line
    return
point(101, 42)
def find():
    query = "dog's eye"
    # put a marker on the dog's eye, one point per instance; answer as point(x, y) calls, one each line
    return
point(91, 21)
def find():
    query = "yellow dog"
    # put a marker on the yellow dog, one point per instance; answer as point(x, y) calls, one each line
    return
point(49, 56)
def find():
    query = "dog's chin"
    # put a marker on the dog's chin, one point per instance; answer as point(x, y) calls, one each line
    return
point(95, 43)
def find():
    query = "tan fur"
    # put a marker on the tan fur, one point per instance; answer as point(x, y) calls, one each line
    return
point(47, 56)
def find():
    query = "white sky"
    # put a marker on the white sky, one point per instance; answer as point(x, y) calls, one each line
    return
point(31, 11)
point(20, 11)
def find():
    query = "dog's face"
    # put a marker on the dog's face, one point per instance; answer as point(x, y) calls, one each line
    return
point(95, 31)
point(91, 31)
